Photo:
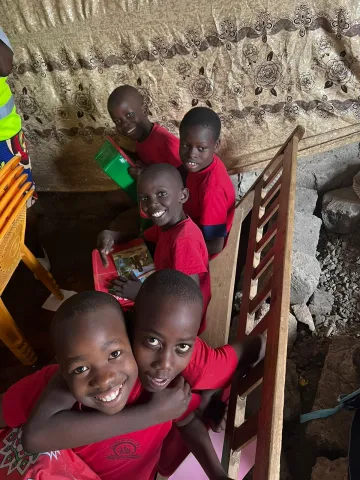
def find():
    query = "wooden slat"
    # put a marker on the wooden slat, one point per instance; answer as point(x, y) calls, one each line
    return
point(271, 193)
point(222, 274)
point(246, 432)
point(273, 169)
point(263, 325)
point(269, 213)
point(261, 297)
point(251, 262)
point(269, 235)
point(267, 462)
point(264, 264)
point(247, 384)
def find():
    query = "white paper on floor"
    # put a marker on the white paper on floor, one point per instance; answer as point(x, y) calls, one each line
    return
point(53, 303)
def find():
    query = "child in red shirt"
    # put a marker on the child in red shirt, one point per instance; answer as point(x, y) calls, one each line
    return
point(180, 349)
point(179, 242)
point(154, 144)
point(211, 202)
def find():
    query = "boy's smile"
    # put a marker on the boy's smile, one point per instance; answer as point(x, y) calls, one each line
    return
point(197, 148)
point(162, 195)
point(96, 360)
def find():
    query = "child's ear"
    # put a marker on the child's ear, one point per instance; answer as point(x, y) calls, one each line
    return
point(217, 145)
point(184, 195)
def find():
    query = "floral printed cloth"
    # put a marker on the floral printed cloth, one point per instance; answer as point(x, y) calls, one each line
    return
point(264, 68)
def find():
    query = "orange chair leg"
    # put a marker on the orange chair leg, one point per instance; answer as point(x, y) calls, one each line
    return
point(43, 275)
point(13, 338)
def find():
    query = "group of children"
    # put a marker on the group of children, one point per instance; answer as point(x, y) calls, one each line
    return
point(192, 221)
point(124, 398)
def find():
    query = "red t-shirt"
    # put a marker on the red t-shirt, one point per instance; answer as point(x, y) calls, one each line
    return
point(138, 452)
point(183, 248)
point(160, 146)
point(212, 200)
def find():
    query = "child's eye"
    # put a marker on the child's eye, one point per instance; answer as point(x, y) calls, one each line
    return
point(201, 149)
point(142, 199)
point(153, 342)
point(162, 194)
point(183, 347)
point(130, 114)
point(79, 370)
point(115, 354)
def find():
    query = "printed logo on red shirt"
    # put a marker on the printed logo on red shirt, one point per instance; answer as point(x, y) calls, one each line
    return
point(126, 448)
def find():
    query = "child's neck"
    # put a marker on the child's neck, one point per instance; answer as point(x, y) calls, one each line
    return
point(179, 218)
point(147, 128)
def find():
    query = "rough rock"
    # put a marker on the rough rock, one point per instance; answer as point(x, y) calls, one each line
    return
point(246, 181)
point(338, 377)
point(303, 315)
point(235, 182)
point(305, 200)
point(306, 233)
point(326, 171)
point(292, 331)
point(305, 276)
point(292, 400)
point(341, 211)
point(321, 302)
point(326, 469)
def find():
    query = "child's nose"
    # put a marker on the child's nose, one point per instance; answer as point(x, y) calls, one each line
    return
point(103, 379)
point(164, 361)
point(193, 152)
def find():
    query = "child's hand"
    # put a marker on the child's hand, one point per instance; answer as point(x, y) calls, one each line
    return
point(105, 243)
point(135, 172)
point(213, 410)
point(125, 287)
point(172, 402)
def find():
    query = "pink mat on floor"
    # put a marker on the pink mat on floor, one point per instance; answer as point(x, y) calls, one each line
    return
point(190, 468)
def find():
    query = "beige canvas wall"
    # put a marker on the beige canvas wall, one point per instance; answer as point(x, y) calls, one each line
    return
point(263, 66)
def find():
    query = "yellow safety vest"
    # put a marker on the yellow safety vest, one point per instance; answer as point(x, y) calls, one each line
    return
point(10, 121)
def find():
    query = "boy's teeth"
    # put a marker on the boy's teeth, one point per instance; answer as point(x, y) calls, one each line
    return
point(109, 398)
point(158, 214)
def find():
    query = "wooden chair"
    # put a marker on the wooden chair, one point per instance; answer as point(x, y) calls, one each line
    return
point(14, 193)
point(267, 275)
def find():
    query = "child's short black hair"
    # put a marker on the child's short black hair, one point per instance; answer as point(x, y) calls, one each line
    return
point(162, 168)
point(204, 117)
point(82, 303)
point(169, 283)
point(117, 95)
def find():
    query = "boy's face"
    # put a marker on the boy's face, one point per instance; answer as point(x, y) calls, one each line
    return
point(164, 337)
point(161, 198)
point(96, 360)
point(197, 148)
point(129, 118)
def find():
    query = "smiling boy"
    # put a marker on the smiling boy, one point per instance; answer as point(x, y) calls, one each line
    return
point(179, 243)
point(211, 201)
point(154, 144)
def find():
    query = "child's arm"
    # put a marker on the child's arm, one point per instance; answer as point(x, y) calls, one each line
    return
point(6, 57)
point(54, 426)
point(196, 437)
point(215, 245)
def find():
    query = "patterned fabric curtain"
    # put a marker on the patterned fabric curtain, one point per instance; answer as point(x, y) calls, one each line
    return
point(264, 67)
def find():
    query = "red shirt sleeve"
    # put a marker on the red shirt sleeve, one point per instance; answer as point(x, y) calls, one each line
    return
point(187, 257)
point(213, 216)
point(210, 368)
point(152, 234)
point(20, 398)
